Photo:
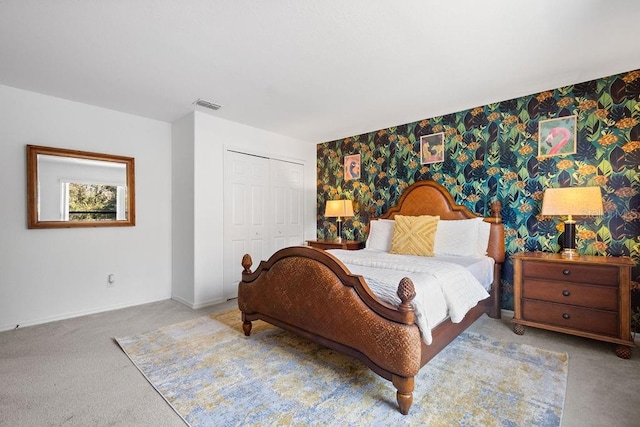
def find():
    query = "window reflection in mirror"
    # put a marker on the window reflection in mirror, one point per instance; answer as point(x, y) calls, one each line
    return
point(69, 188)
point(96, 202)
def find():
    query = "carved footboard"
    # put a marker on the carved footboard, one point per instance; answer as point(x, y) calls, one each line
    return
point(314, 296)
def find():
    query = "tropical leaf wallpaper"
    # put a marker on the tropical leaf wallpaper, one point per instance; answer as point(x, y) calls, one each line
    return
point(491, 152)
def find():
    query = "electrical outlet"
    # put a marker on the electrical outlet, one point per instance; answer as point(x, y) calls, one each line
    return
point(111, 280)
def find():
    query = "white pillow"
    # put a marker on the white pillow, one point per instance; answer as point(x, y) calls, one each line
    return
point(380, 234)
point(484, 230)
point(463, 237)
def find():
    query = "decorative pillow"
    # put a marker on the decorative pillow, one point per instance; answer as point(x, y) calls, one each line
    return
point(414, 235)
point(380, 234)
point(462, 237)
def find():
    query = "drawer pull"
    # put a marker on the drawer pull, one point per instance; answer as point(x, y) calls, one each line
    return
point(566, 316)
point(566, 293)
point(566, 272)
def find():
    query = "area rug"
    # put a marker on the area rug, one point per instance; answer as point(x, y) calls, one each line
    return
point(212, 375)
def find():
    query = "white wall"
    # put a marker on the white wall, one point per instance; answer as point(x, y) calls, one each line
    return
point(182, 205)
point(211, 137)
point(51, 274)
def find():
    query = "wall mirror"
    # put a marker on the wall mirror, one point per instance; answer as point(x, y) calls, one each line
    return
point(70, 188)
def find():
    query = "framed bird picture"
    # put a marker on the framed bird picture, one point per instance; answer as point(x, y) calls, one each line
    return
point(557, 136)
point(352, 167)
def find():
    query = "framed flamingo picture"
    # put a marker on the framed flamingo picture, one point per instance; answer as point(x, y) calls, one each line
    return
point(557, 136)
point(352, 167)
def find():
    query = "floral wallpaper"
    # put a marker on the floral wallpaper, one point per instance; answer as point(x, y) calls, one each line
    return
point(491, 152)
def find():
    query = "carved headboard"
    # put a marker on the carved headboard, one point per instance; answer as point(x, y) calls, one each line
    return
point(431, 198)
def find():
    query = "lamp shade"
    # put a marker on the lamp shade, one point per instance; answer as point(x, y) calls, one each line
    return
point(339, 208)
point(581, 201)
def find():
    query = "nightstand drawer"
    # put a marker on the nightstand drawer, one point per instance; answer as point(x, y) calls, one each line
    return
point(600, 297)
point(595, 321)
point(564, 272)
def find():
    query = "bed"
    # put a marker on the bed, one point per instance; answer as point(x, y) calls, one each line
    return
point(313, 293)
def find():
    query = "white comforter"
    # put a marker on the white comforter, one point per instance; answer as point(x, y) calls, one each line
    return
point(443, 289)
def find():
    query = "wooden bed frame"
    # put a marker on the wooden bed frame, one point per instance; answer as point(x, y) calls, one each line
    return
point(311, 293)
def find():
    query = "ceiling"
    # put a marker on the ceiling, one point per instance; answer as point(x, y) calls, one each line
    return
point(312, 70)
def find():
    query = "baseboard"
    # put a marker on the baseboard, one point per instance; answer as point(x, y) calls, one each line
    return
point(208, 303)
point(182, 301)
point(199, 305)
point(40, 321)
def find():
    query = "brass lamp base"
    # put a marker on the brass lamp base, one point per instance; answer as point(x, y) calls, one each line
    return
point(569, 253)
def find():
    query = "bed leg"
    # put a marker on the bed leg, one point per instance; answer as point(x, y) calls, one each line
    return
point(404, 395)
point(246, 327)
point(495, 312)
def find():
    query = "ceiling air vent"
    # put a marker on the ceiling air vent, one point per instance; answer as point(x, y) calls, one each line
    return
point(206, 104)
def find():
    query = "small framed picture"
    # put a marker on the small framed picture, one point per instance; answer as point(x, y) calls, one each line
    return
point(432, 148)
point(557, 136)
point(352, 167)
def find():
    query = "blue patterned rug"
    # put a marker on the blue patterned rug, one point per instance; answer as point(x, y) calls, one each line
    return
point(211, 374)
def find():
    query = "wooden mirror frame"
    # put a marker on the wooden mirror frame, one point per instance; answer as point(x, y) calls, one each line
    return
point(33, 220)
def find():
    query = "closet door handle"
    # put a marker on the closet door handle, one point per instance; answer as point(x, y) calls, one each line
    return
point(566, 293)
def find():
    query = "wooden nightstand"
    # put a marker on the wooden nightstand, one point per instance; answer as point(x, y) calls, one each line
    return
point(588, 296)
point(334, 244)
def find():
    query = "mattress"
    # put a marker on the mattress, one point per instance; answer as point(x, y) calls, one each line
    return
point(480, 268)
point(446, 287)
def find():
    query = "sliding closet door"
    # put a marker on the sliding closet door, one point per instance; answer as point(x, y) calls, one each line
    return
point(287, 203)
point(245, 207)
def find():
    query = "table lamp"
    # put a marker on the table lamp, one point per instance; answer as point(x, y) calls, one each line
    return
point(339, 209)
point(569, 201)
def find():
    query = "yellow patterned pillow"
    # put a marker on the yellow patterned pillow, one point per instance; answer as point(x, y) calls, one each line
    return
point(414, 235)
